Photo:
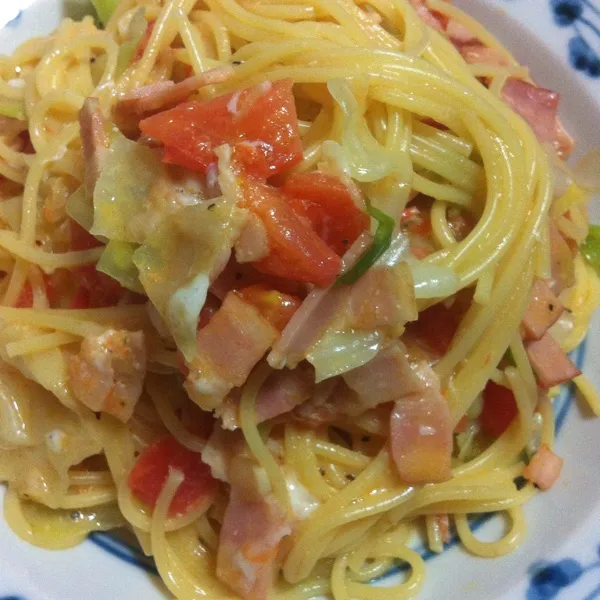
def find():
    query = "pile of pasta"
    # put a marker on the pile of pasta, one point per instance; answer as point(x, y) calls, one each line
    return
point(389, 96)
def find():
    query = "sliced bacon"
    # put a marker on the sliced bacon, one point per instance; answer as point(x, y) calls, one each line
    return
point(253, 523)
point(563, 263)
point(386, 378)
point(280, 394)
point(164, 94)
point(221, 448)
point(228, 348)
point(421, 437)
point(458, 33)
point(543, 311)
point(314, 315)
point(430, 18)
point(443, 524)
point(538, 106)
point(550, 364)
point(382, 297)
point(478, 54)
point(253, 243)
point(131, 107)
point(544, 468)
point(252, 529)
point(330, 401)
point(94, 140)
point(108, 372)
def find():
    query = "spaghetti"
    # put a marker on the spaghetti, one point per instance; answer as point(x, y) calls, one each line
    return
point(285, 284)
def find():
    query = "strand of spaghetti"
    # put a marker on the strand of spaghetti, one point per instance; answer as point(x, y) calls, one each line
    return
point(506, 544)
point(48, 261)
point(88, 498)
point(254, 440)
point(192, 41)
point(18, 277)
point(39, 343)
point(339, 454)
point(176, 576)
point(30, 197)
point(589, 393)
point(161, 396)
point(48, 320)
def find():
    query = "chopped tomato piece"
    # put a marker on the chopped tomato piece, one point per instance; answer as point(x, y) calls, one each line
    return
point(435, 328)
point(151, 471)
point(102, 289)
point(274, 306)
point(499, 409)
point(326, 202)
point(80, 238)
point(260, 122)
point(81, 298)
point(25, 299)
point(296, 251)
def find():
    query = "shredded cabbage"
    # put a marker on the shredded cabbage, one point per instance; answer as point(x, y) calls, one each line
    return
point(105, 9)
point(433, 281)
point(80, 208)
point(340, 351)
point(591, 247)
point(121, 193)
point(127, 51)
point(176, 261)
point(14, 109)
point(117, 262)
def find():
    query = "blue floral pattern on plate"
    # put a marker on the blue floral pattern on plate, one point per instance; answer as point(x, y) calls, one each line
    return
point(549, 579)
point(583, 17)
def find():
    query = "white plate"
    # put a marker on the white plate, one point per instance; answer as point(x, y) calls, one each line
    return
point(560, 41)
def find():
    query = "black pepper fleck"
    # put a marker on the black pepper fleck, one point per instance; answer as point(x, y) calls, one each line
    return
point(211, 206)
point(350, 477)
point(365, 438)
point(345, 242)
point(551, 307)
point(93, 60)
point(520, 483)
point(322, 471)
point(98, 416)
point(236, 62)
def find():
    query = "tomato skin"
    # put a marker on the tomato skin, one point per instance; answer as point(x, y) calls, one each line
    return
point(435, 328)
point(151, 471)
point(499, 409)
point(102, 289)
point(326, 202)
point(80, 299)
point(296, 251)
point(260, 123)
point(80, 238)
point(274, 306)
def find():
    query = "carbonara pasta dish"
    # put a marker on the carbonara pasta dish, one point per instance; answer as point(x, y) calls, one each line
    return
point(285, 285)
